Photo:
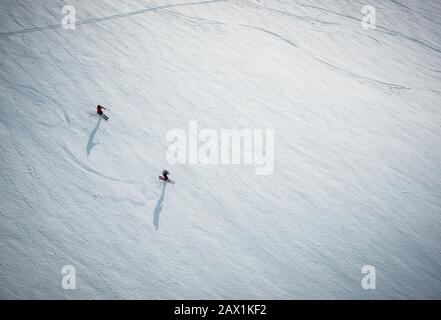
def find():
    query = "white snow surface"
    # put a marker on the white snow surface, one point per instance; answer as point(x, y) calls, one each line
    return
point(357, 121)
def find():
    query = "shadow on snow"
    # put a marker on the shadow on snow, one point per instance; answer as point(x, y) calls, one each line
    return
point(159, 207)
point(90, 143)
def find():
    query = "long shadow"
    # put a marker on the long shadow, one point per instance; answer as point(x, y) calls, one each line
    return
point(90, 143)
point(158, 208)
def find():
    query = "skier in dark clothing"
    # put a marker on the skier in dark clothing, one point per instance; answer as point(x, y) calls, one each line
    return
point(99, 111)
point(165, 175)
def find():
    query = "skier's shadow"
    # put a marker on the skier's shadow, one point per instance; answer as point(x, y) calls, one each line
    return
point(158, 208)
point(90, 143)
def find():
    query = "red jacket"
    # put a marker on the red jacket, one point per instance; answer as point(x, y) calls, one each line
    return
point(99, 109)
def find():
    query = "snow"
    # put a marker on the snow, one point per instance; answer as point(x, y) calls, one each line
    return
point(357, 121)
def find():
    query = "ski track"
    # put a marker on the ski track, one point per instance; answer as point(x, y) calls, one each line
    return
point(374, 82)
point(363, 79)
point(89, 170)
point(107, 18)
point(379, 28)
point(271, 33)
point(290, 15)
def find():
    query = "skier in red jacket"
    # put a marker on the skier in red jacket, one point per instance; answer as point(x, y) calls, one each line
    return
point(99, 111)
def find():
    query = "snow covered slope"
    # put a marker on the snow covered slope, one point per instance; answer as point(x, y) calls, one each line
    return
point(357, 121)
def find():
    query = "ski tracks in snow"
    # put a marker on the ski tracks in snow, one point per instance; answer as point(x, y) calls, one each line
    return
point(106, 18)
point(363, 79)
point(86, 168)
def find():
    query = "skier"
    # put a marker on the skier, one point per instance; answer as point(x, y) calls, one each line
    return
point(165, 178)
point(165, 175)
point(99, 111)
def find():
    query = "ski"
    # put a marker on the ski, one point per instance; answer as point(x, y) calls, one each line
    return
point(163, 179)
